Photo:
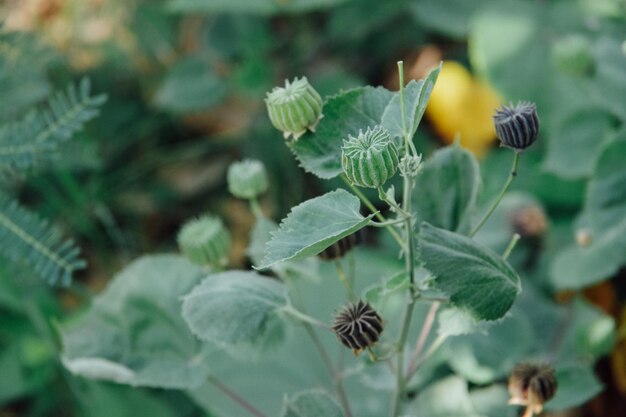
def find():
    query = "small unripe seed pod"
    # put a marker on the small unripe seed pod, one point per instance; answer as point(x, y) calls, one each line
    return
point(532, 385)
point(294, 108)
point(205, 241)
point(338, 249)
point(517, 126)
point(369, 159)
point(358, 326)
point(247, 179)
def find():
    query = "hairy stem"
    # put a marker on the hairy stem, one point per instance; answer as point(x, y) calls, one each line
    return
point(421, 341)
point(372, 208)
point(343, 277)
point(304, 318)
point(511, 246)
point(508, 182)
point(238, 399)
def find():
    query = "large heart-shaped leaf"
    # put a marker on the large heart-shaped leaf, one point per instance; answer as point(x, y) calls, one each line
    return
point(313, 226)
point(314, 403)
point(134, 334)
point(236, 309)
point(475, 278)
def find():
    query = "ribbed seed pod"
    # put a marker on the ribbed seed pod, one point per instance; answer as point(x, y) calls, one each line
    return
point(369, 159)
point(338, 249)
point(532, 384)
point(517, 126)
point(247, 179)
point(204, 241)
point(358, 326)
point(294, 108)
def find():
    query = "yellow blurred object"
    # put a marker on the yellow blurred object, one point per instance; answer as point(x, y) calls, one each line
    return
point(462, 105)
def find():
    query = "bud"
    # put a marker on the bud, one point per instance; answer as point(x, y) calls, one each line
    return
point(358, 326)
point(294, 108)
point(369, 159)
point(338, 249)
point(204, 241)
point(532, 385)
point(247, 179)
point(517, 126)
point(529, 222)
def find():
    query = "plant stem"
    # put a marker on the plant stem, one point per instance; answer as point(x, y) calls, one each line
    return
point(239, 400)
point(511, 245)
point(391, 203)
point(421, 341)
point(508, 182)
point(304, 318)
point(336, 378)
point(255, 207)
point(432, 349)
point(341, 273)
point(409, 264)
point(372, 208)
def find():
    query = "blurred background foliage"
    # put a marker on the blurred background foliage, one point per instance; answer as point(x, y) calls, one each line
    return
point(185, 81)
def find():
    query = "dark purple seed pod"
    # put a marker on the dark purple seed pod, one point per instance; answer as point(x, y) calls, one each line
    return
point(517, 126)
point(358, 326)
point(532, 385)
point(338, 249)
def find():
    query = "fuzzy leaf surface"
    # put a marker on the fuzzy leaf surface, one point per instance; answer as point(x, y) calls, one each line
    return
point(416, 95)
point(118, 338)
point(344, 114)
point(446, 189)
point(604, 217)
point(313, 226)
point(314, 403)
point(475, 278)
point(235, 308)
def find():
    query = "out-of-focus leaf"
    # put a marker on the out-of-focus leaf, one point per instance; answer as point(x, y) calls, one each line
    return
point(446, 398)
point(313, 226)
point(191, 85)
point(263, 7)
point(311, 404)
point(134, 333)
point(446, 189)
point(610, 75)
point(577, 385)
point(236, 308)
point(604, 218)
point(449, 17)
point(454, 322)
point(492, 401)
point(477, 280)
point(344, 114)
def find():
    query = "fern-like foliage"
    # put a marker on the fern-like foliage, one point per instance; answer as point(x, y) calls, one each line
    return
point(35, 139)
point(27, 238)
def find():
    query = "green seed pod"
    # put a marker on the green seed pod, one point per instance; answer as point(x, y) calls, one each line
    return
point(517, 126)
point(247, 179)
point(532, 384)
point(294, 108)
point(204, 241)
point(358, 326)
point(369, 159)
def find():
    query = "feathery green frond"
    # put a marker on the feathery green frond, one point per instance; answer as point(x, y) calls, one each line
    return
point(35, 139)
point(25, 237)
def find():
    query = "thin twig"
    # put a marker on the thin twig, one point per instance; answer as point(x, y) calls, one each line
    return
point(421, 341)
point(239, 400)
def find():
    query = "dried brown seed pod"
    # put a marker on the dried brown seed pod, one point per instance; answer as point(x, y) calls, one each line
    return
point(358, 326)
point(529, 222)
point(532, 385)
point(517, 126)
point(338, 249)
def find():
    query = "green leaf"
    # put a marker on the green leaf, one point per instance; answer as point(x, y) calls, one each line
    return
point(446, 189)
point(314, 403)
point(35, 139)
point(604, 217)
point(449, 17)
point(416, 95)
point(455, 322)
point(448, 397)
point(477, 280)
point(492, 401)
point(344, 114)
point(261, 7)
point(577, 385)
point(236, 308)
point(481, 358)
point(313, 226)
point(577, 142)
point(25, 237)
point(133, 332)
point(191, 85)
